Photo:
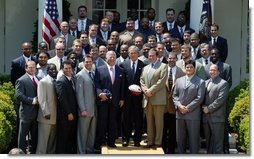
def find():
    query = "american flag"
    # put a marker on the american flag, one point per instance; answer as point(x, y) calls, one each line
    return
point(205, 20)
point(50, 21)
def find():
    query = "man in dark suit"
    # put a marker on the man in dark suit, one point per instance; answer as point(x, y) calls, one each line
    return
point(132, 110)
point(18, 64)
point(214, 111)
point(218, 42)
point(103, 31)
point(170, 22)
point(109, 82)
point(18, 70)
point(66, 111)
point(26, 94)
point(177, 32)
point(169, 128)
point(83, 22)
point(188, 96)
point(73, 29)
point(93, 37)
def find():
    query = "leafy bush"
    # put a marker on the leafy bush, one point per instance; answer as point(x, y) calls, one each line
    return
point(9, 90)
point(235, 93)
point(239, 115)
point(244, 134)
point(8, 110)
point(5, 132)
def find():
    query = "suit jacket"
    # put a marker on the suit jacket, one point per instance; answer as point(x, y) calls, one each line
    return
point(18, 68)
point(222, 46)
point(176, 34)
point(165, 26)
point(156, 84)
point(191, 96)
point(98, 41)
point(103, 81)
point(225, 71)
point(215, 100)
point(66, 96)
point(25, 93)
point(126, 38)
point(47, 100)
point(77, 33)
point(55, 60)
point(101, 36)
point(170, 108)
point(71, 38)
point(86, 93)
point(88, 23)
point(199, 69)
point(146, 32)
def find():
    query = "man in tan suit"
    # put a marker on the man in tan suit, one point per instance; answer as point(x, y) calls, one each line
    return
point(153, 79)
point(169, 128)
point(47, 113)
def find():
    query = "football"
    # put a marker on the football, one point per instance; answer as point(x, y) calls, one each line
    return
point(135, 89)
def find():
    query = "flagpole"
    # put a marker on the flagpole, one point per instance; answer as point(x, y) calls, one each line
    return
point(41, 5)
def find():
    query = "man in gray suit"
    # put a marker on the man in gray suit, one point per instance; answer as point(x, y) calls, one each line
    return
point(86, 97)
point(47, 112)
point(188, 96)
point(26, 93)
point(214, 111)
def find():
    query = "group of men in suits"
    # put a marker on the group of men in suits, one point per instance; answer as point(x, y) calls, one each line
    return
point(172, 87)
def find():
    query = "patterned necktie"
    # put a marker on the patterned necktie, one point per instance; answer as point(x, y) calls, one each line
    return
point(170, 79)
point(170, 26)
point(82, 25)
point(73, 33)
point(206, 61)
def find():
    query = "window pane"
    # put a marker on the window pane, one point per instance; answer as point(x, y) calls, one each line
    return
point(111, 4)
point(145, 4)
point(132, 4)
point(98, 4)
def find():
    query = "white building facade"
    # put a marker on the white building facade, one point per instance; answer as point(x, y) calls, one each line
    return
point(17, 19)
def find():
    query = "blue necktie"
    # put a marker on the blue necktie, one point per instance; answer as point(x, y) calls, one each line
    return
point(133, 70)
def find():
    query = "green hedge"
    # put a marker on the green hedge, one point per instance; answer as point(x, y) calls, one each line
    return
point(239, 115)
point(7, 116)
point(244, 134)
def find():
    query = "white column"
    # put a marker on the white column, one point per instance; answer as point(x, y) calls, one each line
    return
point(195, 13)
point(41, 5)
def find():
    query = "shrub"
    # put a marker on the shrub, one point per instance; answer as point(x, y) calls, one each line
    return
point(8, 110)
point(5, 132)
point(235, 93)
point(4, 78)
point(244, 134)
point(9, 90)
point(239, 115)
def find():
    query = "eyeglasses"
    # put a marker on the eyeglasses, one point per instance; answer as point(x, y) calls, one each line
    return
point(60, 49)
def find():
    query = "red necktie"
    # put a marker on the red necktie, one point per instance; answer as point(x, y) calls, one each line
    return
point(34, 82)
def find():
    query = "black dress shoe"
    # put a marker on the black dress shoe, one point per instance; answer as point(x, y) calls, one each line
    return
point(125, 144)
point(148, 146)
point(112, 145)
point(137, 144)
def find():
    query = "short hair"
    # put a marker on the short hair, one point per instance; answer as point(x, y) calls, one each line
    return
point(133, 47)
point(215, 25)
point(153, 49)
point(170, 9)
point(190, 62)
point(66, 62)
point(185, 46)
point(49, 65)
point(105, 20)
point(69, 55)
point(82, 6)
point(42, 52)
point(87, 56)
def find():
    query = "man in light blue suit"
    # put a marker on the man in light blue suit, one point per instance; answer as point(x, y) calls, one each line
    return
point(214, 111)
point(188, 96)
point(86, 97)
